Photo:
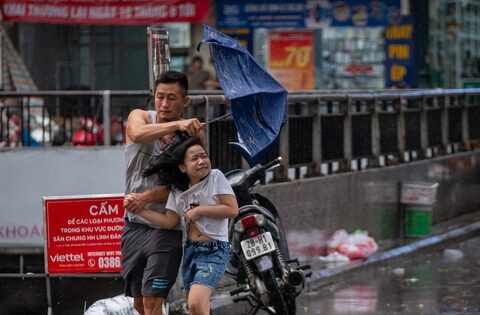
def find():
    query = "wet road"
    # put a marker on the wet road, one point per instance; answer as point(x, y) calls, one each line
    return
point(437, 283)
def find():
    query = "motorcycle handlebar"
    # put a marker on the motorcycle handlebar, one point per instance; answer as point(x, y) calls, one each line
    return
point(273, 163)
point(258, 171)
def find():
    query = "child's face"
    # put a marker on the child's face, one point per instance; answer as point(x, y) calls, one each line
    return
point(196, 164)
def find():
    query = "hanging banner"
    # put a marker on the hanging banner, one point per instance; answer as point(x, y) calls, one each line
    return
point(291, 59)
point(82, 233)
point(106, 12)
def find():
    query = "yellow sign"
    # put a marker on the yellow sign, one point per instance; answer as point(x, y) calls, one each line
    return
point(397, 72)
point(398, 51)
point(399, 31)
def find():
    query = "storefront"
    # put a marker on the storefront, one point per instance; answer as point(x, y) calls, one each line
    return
point(454, 52)
point(80, 44)
point(327, 44)
point(306, 44)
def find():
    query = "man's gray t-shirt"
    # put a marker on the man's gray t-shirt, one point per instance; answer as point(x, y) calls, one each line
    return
point(204, 193)
point(137, 157)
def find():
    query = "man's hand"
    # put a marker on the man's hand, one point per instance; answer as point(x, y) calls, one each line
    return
point(136, 202)
point(192, 126)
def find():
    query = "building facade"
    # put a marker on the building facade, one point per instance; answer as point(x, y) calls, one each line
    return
point(305, 44)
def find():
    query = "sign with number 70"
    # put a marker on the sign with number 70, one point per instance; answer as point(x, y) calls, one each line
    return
point(291, 59)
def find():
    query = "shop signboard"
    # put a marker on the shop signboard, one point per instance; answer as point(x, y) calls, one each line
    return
point(291, 59)
point(105, 12)
point(399, 61)
point(306, 13)
point(365, 12)
point(82, 233)
point(253, 13)
point(352, 13)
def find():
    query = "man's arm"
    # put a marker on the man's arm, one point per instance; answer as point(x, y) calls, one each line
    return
point(136, 202)
point(139, 130)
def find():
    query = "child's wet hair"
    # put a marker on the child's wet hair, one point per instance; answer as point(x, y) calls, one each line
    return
point(165, 165)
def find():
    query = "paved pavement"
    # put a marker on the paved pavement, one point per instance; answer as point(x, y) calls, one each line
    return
point(440, 282)
point(444, 234)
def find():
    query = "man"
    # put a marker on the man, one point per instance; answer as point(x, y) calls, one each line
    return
point(151, 256)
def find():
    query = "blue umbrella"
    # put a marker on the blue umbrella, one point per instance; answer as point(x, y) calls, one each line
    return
point(259, 102)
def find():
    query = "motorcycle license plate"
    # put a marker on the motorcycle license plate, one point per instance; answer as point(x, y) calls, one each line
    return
point(258, 245)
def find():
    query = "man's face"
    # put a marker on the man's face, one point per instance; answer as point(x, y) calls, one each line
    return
point(170, 101)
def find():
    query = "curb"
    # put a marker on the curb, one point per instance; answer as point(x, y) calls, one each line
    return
point(222, 302)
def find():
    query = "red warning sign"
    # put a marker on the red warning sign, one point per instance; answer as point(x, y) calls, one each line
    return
point(82, 233)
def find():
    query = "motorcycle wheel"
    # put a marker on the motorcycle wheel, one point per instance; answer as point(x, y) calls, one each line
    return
point(276, 296)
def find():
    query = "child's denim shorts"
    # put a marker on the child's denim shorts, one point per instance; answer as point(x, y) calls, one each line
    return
point(204, 263)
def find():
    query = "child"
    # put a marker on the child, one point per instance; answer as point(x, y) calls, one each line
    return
point(205, 200)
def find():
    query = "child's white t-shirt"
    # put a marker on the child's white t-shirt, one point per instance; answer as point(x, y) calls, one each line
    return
point(204, 193)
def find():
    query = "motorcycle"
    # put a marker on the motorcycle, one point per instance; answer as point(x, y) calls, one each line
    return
point(260, 261)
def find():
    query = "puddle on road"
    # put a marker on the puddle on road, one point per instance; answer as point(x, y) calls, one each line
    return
point(439, 283)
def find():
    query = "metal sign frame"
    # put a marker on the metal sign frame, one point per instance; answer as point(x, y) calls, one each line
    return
point(158, 53)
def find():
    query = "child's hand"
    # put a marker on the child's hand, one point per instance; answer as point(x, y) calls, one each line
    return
point(191, 215)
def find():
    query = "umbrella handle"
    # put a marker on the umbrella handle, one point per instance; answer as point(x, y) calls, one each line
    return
point(216, 119)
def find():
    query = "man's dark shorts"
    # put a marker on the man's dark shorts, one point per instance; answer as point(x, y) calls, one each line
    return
point(150, 259)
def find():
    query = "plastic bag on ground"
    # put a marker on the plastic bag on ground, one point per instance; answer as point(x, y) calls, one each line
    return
point(118, 305)
point(356, 245)
point(334, 257)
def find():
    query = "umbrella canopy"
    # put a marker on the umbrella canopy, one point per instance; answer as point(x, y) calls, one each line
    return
point(259, 102)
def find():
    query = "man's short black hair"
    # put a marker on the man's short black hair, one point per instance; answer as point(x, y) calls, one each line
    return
point(173, 77)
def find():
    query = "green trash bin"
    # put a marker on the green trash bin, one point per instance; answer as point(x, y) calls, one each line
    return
point(418, 200)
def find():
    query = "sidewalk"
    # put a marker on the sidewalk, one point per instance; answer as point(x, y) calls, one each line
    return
point(449, 232)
